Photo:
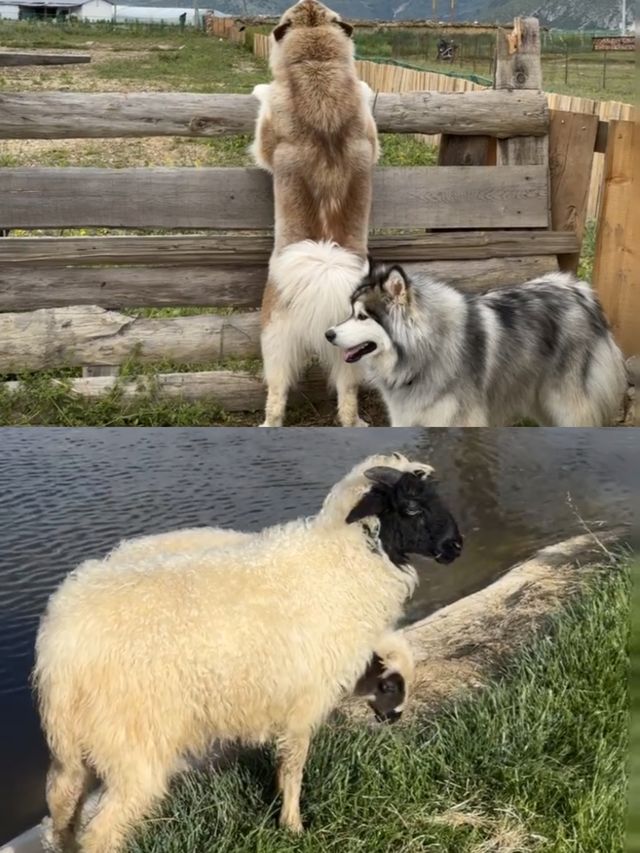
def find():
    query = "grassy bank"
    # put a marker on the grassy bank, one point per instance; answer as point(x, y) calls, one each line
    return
point(536, 763)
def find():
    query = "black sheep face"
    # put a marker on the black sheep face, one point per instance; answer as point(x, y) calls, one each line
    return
point(413, 518)
point(384, 689)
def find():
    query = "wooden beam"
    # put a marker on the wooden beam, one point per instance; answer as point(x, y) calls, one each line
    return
point(231, 251)
point(571, 142)
point(63, 115)
point(10, 59)
point(24, 288)
point(225, 198)
point(616, 271)
point(53, 337)
point(232, 391)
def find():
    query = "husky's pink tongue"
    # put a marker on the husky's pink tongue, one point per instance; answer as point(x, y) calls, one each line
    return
point(349, 353)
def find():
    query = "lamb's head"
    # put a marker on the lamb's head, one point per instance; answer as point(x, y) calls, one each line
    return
point(386, 682)
point(411, 516)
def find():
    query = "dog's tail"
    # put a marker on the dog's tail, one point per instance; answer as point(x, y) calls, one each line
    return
point(315, 280)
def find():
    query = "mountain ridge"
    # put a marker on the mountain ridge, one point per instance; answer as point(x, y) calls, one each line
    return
point(562, 14)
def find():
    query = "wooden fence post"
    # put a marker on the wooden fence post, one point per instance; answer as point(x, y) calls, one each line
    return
point(572, 139)
point(518, 66)
point(616, 271)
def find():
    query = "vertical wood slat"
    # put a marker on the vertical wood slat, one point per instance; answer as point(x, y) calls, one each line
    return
point(518, 66)
point(572, 140)
point(617, 264)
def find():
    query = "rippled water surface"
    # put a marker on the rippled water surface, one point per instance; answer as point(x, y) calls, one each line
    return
point(66, 495)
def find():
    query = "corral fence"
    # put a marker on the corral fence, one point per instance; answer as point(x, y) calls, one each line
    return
point(384, 77)
point(519, 212)
point(227, 28)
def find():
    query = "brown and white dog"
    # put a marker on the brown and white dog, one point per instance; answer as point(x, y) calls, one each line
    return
point(316, 134)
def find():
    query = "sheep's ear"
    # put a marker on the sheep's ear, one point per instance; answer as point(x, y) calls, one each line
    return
point(280, 30)
point(370, 504)
point(383, 475)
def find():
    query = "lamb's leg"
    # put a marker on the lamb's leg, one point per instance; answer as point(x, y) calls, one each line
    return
point(124, 803)
point(292, 755)
point(67, 785)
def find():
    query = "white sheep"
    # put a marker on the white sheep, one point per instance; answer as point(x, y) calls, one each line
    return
point(139, 663)
point(386, 681)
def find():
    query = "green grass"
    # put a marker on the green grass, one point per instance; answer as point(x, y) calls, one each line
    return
point(584, 76)
point(536, 762)
point(633, 825)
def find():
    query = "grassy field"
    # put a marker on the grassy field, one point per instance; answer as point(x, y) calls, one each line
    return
point(534, 763)
point(569, 66)
point(143, 58)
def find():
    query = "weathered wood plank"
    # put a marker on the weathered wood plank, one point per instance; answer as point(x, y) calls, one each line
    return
point(519, 68)
point(226, 198)
point(63, 115)
point(10, 59)
point(234, 250)
point(616, 271)
point(571, 143)
point(234, 392)
point(24, 289)
point(89, 335)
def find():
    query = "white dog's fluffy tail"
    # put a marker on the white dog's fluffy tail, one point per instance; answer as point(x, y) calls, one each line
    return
point(315, 281)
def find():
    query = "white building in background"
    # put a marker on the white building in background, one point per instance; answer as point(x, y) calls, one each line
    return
point(9, 12)
point(100, 10)
point(96, 10)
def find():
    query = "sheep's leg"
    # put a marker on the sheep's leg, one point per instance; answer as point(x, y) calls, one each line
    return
point(122, 806)
point(292, 756)
point(67, 786)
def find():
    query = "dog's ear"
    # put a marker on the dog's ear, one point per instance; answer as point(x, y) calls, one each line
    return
point(348, 29)
point(280, 30)
point(396, 284)
point(370, 504)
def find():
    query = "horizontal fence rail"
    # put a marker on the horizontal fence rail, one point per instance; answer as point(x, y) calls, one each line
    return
point(233, 250)
point(79, 335)
point(233, 391)
point(236, 198)
point(61, 115)
point(88, 334)
point(24, 289)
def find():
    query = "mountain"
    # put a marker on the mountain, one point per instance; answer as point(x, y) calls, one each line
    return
point(563, 14)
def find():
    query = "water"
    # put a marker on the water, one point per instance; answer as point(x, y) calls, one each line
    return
point(66, 495)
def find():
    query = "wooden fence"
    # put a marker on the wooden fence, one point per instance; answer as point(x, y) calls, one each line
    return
point(227, 28)
point(383, 77)
point(62, 297)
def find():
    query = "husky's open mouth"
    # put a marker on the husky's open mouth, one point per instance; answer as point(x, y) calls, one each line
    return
point(355, 353)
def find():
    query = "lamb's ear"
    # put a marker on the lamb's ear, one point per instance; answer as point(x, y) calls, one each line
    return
point(396, 283)
point(280, 30)
point(346, 27)
point(383, 475)
point(370, 504)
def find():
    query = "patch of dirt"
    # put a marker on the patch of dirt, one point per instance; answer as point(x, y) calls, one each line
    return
point(78, 78)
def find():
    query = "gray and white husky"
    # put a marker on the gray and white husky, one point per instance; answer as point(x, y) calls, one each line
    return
point(442, 357)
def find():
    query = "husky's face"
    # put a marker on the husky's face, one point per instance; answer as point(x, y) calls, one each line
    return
point(381, 297)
